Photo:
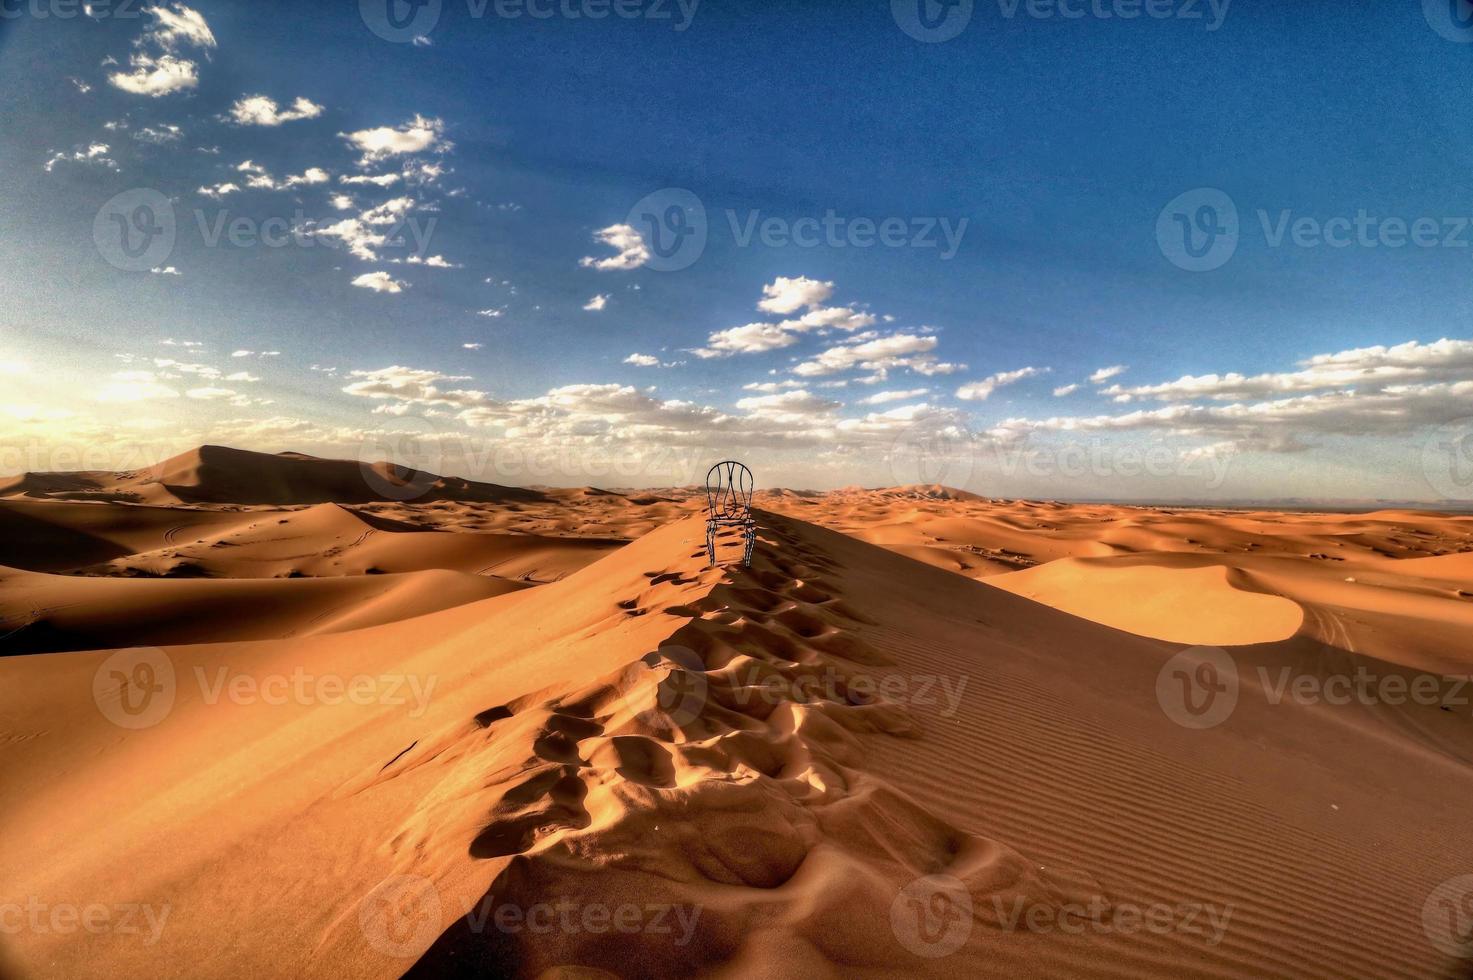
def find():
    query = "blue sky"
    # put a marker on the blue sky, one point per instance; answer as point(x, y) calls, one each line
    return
point(1036, 172)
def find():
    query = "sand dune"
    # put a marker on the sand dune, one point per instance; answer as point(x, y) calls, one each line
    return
point(328, 539)
point(47, 613)
point(218, 474)
point(1184, 602)
point(841, 761)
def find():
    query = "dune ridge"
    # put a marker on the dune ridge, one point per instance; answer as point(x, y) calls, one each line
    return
point(792, 802)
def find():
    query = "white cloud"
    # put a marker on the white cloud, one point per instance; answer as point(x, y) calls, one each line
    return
point(419, 135)
point(1063, 390)
point(787, 405)
point(597, 303)
point(177, 24)
point(377, 180)
point(95, 154)
point(1106, 373)
point(165, 270)
point(264, 181)
point(361, 241)
point(626, 241)
point(493, 312)
point(883, 397)
point(753, 338)
point(341, 202)
point(433, 262)
point(879, 355)
point(159, 135)
point(259, 110)
point(642, 360)
point(155, 77)
point(158, 74)
point(411, 386)
point(219, 190)
point(787, 295)
point(1361, 367)
point(380, 282)
point(981, 390)
point(389, 212)
point(472, 346)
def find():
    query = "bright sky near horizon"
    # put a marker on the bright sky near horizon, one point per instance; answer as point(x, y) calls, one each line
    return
point(1048, 249)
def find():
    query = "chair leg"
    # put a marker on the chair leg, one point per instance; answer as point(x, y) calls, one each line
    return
point(711, 544)
point(750, 533)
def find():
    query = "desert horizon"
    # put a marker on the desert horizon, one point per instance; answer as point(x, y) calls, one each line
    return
point(638, 489)
point(451, 718)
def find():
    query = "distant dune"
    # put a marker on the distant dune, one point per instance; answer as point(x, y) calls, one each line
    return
point(219, 475)
point(926, 733)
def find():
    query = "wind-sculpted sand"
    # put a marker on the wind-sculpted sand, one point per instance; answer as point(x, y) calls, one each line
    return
point(925, 733)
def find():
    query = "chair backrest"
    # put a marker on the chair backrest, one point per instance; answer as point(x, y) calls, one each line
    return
point(729, 487)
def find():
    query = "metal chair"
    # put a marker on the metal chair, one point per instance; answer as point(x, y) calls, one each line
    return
point(729, 488)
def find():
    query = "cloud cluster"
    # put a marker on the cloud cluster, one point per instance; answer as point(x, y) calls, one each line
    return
point(260, 110)
point(786, 296)
point(983, 389)
point(155, 68)
point(631, 252)
point(419, 135)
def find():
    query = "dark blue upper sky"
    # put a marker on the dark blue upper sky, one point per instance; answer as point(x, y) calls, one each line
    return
point(1058, 140)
